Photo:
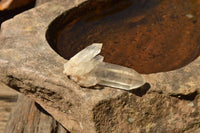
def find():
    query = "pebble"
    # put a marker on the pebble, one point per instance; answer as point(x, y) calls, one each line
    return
point(189, 15)
point(130, 120)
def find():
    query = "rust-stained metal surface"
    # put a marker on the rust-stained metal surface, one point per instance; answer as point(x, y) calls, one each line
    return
point(149, 35)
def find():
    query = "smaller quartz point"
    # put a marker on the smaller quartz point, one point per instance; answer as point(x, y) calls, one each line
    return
point(88, 69)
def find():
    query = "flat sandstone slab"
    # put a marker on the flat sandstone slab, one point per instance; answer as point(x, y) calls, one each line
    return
point(169, 101)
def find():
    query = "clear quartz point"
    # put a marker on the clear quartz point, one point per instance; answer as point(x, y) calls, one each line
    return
point(88, 69)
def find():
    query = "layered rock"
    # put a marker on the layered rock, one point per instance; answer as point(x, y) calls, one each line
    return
point(168, 102)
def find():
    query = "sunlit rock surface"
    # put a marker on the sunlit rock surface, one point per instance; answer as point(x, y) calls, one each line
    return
point(29, 65)
point(88, 69)
point(13, 4)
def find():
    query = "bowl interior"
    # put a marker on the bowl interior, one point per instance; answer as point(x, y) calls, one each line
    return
point(146, 35)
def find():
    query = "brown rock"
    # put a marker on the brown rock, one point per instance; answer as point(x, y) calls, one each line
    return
point(151, 113)
point(8, 98)
point(29, 65)
point(28, 117)
point(13, 4)
point(40, 2)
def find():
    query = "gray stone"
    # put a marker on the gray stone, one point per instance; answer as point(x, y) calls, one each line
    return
point(29, 65)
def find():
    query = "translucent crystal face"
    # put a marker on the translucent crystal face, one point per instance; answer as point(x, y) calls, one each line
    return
point(88, 69)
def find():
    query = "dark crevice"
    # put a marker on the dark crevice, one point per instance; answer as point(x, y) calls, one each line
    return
point(18, 84)
point(54, 127)
point(96, 87)
point(12, 82)
point(189, 97)
point(41, 109)
point(141, 91)
point(9, 98)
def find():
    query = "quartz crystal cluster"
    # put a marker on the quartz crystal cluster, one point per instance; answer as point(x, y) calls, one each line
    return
point(88, 69)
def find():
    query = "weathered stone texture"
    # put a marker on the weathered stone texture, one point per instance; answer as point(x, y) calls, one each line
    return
point(13, 4)
point(28, 117)
point(40, 2)
point(169, 102)
point(150, 113)
point(8, 98)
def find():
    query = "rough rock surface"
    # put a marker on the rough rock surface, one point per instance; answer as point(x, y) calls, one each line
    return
point(8, 98)
point(29, 117)
point(13, 4)
point(170, 101)
point(40, 2)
